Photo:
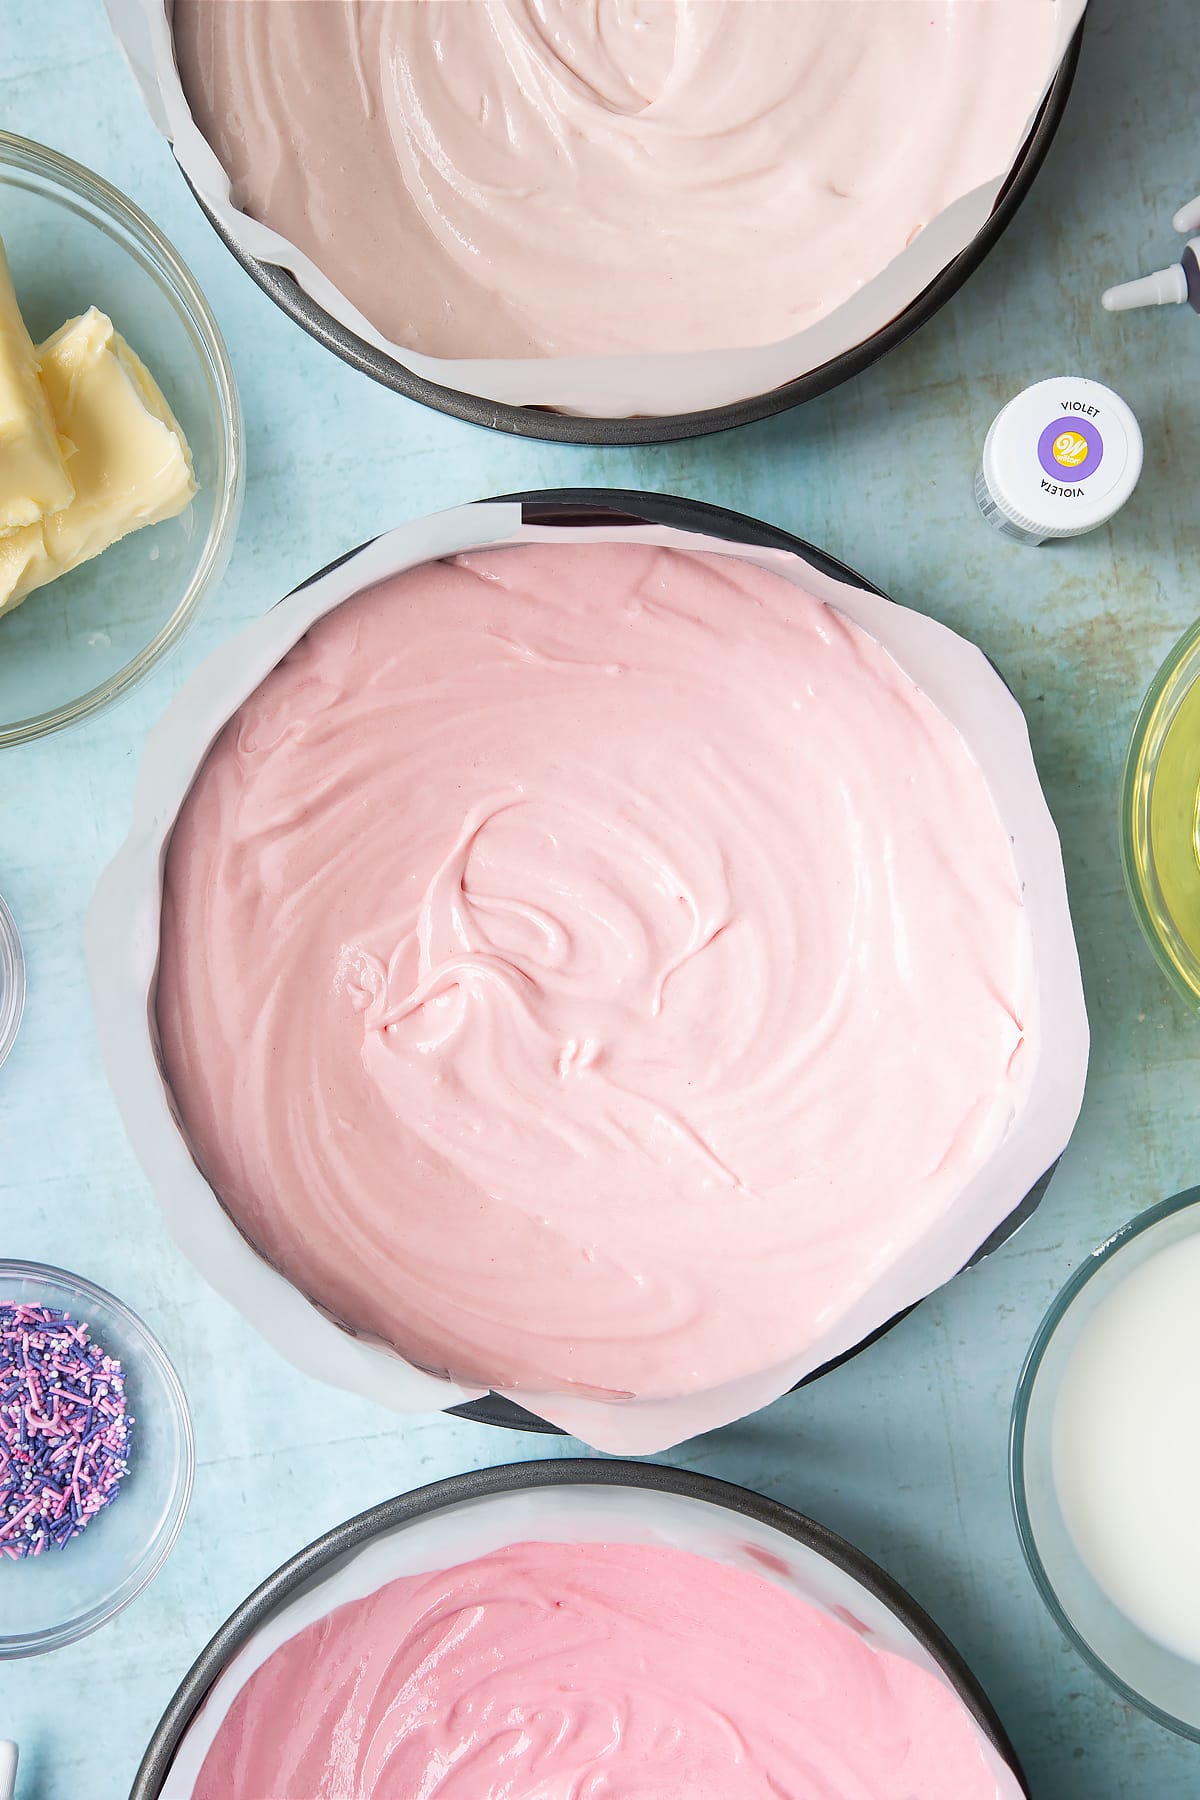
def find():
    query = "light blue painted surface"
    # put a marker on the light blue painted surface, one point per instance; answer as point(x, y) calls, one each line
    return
point(904, 1450)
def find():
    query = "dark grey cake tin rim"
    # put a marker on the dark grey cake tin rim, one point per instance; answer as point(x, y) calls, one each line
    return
point(479, 1484)
point(555, 427)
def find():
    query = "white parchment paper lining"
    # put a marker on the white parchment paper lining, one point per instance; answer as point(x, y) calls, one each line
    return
point(579, 1514)
point(611, 386)
point(122, 944)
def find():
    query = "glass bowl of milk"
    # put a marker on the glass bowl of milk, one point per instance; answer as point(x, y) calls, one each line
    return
point(1105, 1461)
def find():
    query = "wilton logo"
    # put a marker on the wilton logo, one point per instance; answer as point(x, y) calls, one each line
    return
point(1073, 445)
point(1070, 448)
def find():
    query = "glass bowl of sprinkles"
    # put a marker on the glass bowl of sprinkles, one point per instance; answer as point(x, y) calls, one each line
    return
point(96, 1457)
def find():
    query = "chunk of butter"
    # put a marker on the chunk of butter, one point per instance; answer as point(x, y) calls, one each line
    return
point(33, 470)
point(130, 463)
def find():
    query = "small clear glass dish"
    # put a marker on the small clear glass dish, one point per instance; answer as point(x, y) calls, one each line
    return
point(1160, 806)
point(12, 980)
point(1144, 1672)
point(74, 647)
point(50, 1600)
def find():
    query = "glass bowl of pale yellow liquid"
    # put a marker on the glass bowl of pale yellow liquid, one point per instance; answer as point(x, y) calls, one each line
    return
point(1160, 817)
point(1105, 1461)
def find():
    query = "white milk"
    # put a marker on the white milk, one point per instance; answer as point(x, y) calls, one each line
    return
point(1127, 1446)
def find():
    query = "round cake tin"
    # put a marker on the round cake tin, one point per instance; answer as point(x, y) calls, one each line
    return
point(120, 977)
point(77, 645)
point(1164, 931)
point(539, 422)
point(12, 980)
point(65, 1593)
point(645, 1501)
point(1145, 1673)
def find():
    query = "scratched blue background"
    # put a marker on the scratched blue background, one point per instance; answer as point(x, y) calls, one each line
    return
point(904, 1450)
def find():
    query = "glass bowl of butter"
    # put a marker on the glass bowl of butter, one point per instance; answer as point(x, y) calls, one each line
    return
point(120, 444)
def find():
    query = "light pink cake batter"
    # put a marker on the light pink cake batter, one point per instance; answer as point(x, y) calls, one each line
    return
point(546, 178)
point(592, 1672)
point(589, 966)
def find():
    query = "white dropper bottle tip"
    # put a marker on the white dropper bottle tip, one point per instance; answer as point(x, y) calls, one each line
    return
point(1166, 287)
point(1188, 217)
point(8, 1769)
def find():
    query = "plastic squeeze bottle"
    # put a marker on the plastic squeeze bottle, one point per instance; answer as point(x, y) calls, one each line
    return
point(1173, 286)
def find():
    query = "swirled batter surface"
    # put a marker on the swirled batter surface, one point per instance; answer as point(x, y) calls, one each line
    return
point(590, 966)
point(546, 178)
point(592, 1672)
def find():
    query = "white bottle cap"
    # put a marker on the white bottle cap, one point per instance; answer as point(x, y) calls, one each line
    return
point(1060, 459)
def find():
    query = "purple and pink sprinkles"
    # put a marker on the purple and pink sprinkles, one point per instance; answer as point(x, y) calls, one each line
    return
point(64, 1430)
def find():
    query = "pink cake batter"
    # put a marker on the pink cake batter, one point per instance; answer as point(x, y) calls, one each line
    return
point(592, 1672)
point(546, 178)
point(590, 966)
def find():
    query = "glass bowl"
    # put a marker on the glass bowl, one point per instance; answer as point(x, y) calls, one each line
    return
point(1143, 1671)
point(12, 980)
point(50, 1600)
point(1160, 812)
point(77, 645)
